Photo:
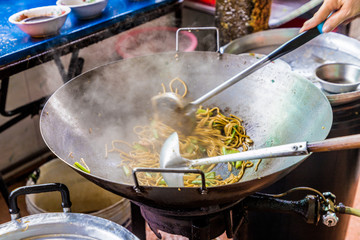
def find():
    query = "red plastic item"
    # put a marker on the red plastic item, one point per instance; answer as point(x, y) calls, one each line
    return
point(208, 2)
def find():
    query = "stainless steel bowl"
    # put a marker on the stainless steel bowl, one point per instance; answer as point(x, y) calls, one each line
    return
point(338, 77)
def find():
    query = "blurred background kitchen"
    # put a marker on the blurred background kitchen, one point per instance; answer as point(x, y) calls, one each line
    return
point(21, 145)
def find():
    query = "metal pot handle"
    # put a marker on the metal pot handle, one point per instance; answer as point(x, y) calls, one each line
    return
point(137, 187)
point(198, 29)
point(40, 188)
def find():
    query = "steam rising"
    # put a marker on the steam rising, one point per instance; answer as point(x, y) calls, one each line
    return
point(112, 99)
point(145, 41)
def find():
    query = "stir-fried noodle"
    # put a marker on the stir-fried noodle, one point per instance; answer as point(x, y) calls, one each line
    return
point(214, 135)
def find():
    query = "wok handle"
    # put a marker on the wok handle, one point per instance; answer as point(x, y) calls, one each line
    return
point(40, 188)
point(333, 144)
point(137, 188)
point(198, 29)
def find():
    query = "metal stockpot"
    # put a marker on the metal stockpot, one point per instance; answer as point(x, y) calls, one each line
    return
point(277, 107)
point(64, 225)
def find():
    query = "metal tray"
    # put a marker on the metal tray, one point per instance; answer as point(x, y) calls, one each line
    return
point(326, 48)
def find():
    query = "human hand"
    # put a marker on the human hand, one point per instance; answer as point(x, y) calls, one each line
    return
point(343, 11)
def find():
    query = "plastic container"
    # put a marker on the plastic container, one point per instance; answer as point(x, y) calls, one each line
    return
point(86, 197)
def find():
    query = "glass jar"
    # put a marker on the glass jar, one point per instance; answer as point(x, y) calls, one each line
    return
point(236, 18)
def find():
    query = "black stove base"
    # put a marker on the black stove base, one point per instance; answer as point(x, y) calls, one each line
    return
point(198, 224)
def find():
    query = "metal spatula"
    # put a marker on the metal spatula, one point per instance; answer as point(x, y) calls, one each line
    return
point(170, 154)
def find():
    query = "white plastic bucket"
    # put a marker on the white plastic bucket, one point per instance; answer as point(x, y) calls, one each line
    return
point(86, 197)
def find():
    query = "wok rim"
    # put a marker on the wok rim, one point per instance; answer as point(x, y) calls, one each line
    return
point(91, 176)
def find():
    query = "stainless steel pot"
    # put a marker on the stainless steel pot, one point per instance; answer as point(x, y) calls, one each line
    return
point(64, 225)
point(277, 107)
point(326, 48)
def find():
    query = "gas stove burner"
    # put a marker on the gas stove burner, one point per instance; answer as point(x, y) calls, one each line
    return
point(213, 221)
point(202, 223)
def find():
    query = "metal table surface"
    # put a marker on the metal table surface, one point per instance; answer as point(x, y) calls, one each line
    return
point(16, 45)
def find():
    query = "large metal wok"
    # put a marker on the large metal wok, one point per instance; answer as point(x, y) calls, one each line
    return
point(104, 104)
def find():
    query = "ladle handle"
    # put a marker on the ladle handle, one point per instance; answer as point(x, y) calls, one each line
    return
point(287, 47)
point(333, 144)
point(295, 42)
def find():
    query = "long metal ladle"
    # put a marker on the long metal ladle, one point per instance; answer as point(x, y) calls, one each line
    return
point(171, 109)
point(170, 154)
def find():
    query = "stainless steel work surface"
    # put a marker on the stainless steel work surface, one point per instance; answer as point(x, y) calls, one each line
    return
point(326, 48)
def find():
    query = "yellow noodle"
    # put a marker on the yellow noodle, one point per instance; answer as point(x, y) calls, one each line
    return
point(257, 165)
point(213, 134)
point(182, 82)
point(163, 87)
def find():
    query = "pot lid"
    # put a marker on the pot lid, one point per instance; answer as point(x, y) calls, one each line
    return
point(63, 226)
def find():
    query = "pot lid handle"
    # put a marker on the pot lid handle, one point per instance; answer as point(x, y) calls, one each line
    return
point(39, 188)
